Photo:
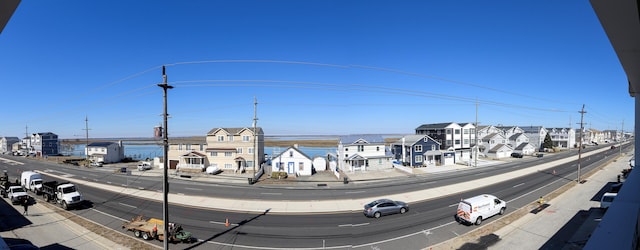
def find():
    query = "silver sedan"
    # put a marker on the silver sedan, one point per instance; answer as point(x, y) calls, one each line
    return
point(381, 207)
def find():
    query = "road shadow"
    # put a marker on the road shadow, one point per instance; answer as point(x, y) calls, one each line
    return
point(11, 218)
point(575, 233)
point(240, 224)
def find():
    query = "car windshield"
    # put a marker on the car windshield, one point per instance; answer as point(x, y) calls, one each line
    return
point(18, 189)
point(37, 182)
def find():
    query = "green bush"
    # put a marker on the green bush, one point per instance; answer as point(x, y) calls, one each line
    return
point(279, 175)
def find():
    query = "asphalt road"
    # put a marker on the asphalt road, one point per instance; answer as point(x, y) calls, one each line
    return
point(426, 223)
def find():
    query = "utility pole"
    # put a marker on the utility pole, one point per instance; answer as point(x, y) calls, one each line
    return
point(165, 179)
point(255, 137)
point(28, 142)
point(574, 135)
point(582, 112)
point(476, 137)
point(621, 138)
point(86, 147)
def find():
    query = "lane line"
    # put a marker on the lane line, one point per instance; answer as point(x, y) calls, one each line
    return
point(354, 192)
point(127, 205)
point(272, 193)
point(196, 189)
point(518, 185)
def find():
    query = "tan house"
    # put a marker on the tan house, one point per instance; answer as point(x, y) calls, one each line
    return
point(228, 149)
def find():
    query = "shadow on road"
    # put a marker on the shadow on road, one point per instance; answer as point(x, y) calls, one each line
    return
point(240, 224)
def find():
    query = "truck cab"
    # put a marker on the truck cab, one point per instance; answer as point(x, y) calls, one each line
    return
point(68, 195)
point(17, 194)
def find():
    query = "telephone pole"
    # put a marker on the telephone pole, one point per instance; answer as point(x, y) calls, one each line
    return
point(582, 112)
point(165, 179)
point(86, 146)
point(476, 138)
point(255, 138)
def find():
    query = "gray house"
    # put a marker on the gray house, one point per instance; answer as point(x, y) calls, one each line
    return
point(6, 144)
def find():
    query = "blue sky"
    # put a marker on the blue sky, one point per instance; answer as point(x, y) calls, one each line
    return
point(315, 67)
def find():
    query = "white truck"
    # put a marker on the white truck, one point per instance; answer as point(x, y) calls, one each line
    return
point(31, 181)
point(66, 194)
point(17, 194)
point(475, 209)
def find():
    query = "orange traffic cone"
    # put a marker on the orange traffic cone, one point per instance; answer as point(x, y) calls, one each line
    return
point(226, 222)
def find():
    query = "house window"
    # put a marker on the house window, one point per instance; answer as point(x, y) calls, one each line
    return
point(245, 138)
point(417, 148)
point(228, 165)
point(201, 147)
point(300, 166)
point(360, 148)
point(290, 153)
point(433, 147)
point(493, 142)
point(466, 141)
point(448, 142)
point(249, 150)
point(465, 131)
point(213, 153)
point(249, 163)
point(221, 138)
point(228, 154)
point(188, 146)
point(448, 131)
point(230, 137)
point(418, 158)
point(102, 150)
point(378, 149)
point(457, 142)
point(239, 150)
point(457, 131)
point(180, 146)
point(472, 130)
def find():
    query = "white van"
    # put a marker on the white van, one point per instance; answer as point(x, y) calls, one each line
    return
point(31, 181)
point(475, 209)
point(607, 199)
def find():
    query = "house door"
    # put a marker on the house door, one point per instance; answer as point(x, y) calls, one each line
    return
point(291, 168)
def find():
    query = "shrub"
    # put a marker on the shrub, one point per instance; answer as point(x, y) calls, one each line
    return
point(279, 175)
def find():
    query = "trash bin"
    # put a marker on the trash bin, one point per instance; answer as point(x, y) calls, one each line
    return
point(250, 180)
point(346, 180)
point(123, 170)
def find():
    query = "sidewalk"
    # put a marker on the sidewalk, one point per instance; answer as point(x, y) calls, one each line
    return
point(47, 229)
point(569, 220)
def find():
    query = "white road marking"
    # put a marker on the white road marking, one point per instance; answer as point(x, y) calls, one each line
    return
point(453, 205)
point(197, 189)
point(354, 192)
point(353, 225)
point(126, 205)
point(222, 223)
point(519, 185)
point(272, 193)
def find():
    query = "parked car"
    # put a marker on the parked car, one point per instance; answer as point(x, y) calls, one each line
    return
point(607, 199)
point(516, 155)
point(144, 166)
point(381, 207)
point(96, 164)
point(478, 208)
point(213, 170)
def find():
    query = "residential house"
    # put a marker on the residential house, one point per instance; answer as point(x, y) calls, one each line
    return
point(451, 137)
point(105, 152)
point(417, 150)
point(363, 152)
point(563, 137)
point(520, 144)
point(495, 146)
point(483, 131)
point(188, 154)
point(235, 149)
point(536, 135)
point(612, 135)
point(6, 144)
point(292, 161)
point(43, 144)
